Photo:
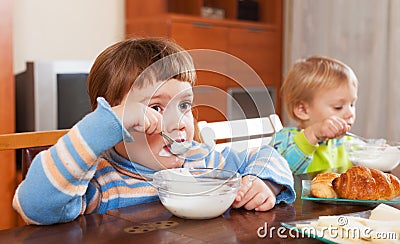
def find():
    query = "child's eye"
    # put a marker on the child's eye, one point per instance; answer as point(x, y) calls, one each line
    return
point(338, 107)
point(185, 106)
point(157, 108)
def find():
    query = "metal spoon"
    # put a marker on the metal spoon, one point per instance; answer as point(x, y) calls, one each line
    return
point(176, 147)
point(357, 136)
point(372, 142)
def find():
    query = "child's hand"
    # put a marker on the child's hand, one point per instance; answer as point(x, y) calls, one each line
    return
point(332, 127)
point(254, 194)
point(138, 117)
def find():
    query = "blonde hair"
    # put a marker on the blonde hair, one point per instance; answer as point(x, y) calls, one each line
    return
point(129, 63)
point(309, 75)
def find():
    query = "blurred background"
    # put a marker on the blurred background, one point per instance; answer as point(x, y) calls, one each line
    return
point(364, 34)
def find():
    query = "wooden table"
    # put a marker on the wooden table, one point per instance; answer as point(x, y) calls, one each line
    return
point(152, 223)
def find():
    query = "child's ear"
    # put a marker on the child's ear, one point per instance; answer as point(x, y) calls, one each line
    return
point(301, 110)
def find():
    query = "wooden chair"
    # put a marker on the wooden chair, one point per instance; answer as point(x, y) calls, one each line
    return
point(240, 134)
point(31, 144)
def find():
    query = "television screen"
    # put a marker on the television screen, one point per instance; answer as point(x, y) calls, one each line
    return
point(73, 100)
point(254, 102)
point(51, 95)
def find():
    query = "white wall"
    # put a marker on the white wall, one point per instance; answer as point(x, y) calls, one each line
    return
point(65, 29)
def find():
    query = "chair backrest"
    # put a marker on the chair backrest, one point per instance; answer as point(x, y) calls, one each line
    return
point(31, 144)
point(240, 134)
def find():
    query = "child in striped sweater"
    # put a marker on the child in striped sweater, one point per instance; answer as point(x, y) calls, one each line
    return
point(137, 87)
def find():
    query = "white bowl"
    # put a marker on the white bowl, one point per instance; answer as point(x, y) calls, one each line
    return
point(382, 156)
point(197, 193)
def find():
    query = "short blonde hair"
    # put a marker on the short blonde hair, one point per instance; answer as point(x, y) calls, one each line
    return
point(307, 76)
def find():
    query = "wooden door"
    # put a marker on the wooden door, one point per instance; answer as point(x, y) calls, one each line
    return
point(8, 217)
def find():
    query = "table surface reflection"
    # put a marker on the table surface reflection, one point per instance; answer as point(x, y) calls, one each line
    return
point(152, 223)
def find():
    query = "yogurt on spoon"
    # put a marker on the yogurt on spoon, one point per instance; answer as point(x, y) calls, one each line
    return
point(176, 147)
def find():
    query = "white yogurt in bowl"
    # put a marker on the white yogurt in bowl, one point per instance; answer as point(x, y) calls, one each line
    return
point(197, 193)
point(384, 157)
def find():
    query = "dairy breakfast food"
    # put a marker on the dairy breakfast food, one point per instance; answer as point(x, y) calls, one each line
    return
point(378, 228)
point(384, 160)
point(383, 211)
point(202, 206)
point(197, 193)
point(164, 153)
point(180, 147)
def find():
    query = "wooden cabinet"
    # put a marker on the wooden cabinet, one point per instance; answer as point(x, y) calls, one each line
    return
point(196, 34)
point(203, 35)
point(256, 43)
point(8, 217)
point(262, 53)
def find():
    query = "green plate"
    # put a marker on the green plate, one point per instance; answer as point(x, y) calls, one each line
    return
point(306, 195)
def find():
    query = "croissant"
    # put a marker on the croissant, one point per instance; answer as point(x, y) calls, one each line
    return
point(321, 185)
point(363, 183)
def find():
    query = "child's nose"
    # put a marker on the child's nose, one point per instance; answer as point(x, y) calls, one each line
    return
point(173, 121)
point(350, 115)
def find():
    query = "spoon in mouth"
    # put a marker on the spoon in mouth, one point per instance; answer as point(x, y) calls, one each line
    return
point(176, 147)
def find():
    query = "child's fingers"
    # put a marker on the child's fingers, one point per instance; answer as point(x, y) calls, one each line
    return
point(257, 200)
point(242, 199)
point(154, 124)
point(243, 194)
point(334, 127)
point(154, 121)
point(342, 126)
point(268, 204)
point(261, 201)
point(149, 126)
point(142, 126)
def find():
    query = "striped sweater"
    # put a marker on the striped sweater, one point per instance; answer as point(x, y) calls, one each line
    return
point(82, 174)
